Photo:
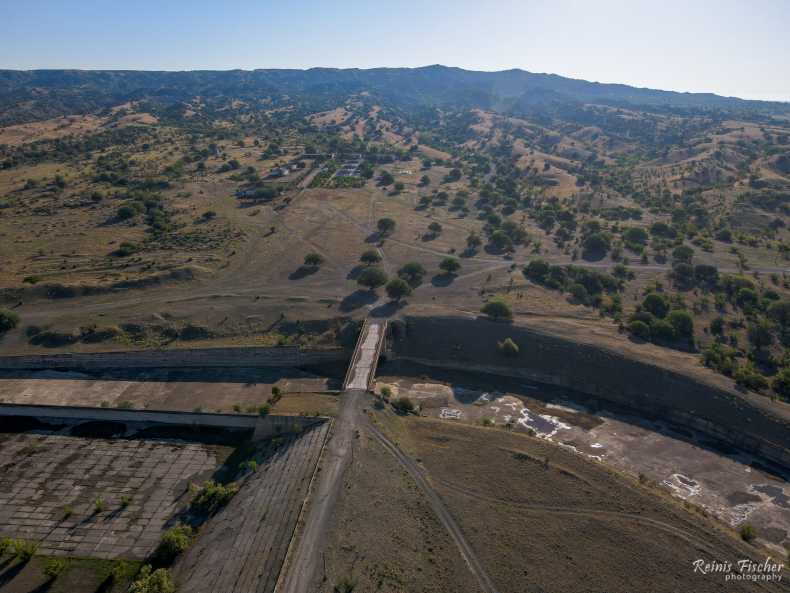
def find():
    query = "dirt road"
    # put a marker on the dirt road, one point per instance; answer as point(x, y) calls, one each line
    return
point(300, 573)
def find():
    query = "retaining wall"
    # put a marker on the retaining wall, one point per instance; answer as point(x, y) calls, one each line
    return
point(747, 421)
point(261, 427)
point(284, 356)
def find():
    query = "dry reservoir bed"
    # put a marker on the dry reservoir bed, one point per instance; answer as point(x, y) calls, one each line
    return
point(105, 498)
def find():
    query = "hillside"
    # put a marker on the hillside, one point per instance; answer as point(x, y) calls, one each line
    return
point(42, 94)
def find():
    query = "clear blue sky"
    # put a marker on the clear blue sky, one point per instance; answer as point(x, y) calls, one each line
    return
point(731, 47)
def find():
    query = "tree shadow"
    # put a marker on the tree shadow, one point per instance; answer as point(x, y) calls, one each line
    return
point(358, 298)
point(10, 573)
point(593, 256)
point(442, 280)
point(387, 309)
point(302, 272)
point(355, 272)
point(469, 252)
point(374, 237)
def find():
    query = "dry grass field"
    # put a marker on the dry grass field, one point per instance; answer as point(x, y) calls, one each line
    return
point(544, 519)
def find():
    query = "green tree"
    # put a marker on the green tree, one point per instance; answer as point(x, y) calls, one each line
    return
point(370, 257)
point(398, 288)
point(537, 270)
point(386, 179)
point(435, 228)
point(425, 181)
point(412, 273)
point(450, 265)
point(372, 278)
point(385, 226)
point(313, 260)
point(497, 309)
point(8, 320)
point(683, 253)
point(640, 329)
point(781, 383)
point(657, 304)
point(683, 323)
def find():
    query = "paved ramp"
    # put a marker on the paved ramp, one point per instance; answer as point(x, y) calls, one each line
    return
point(242, 548)
point(366, 355)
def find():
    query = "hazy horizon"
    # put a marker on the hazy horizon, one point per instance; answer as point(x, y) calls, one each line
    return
point(730, 48)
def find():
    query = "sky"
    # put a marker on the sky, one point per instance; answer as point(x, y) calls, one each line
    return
point(729, 47)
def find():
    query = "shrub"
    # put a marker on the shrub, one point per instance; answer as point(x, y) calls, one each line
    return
point(403, 405)
point(682, 322)
point(125, 213)
point(720, 358)
point(657, 304)
point(579, 293)
point(212, 496)
point(450, 265)
point(264, 410)
point(497, 309)
point(639, 329)
point(683, 253)
point(126, 249)
point(158, 581)
point(120, 571)
point(596, 244)
point(25, 550)
point(748, 533)
point(6, 545)
point(194, 332)
point(508, 347)
point(8, 320)
point(749, 378)
point(54, 567)
point(537, 270)
point(662, 331)
point(313, 260)
point(174, 541)
point(781, 383)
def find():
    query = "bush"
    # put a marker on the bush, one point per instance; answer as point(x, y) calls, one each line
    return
point(450, 265)
point(125, 213)
point(126, 249)
point(54, 567)
point(639, 329)
point(662, 331)
point(158, 581)
point(748, 533)
point(24, 550)
point(508, 347)
point(656, 304)
point(313, 260)
point(403, 405)
point(174, 541)
point(537, 270)
point(781, 383)
point(8, 320)
point(749, 378)
point(579, 293)
point(194, 332)
point(497, 309)
point(212, 496)
point(682, 322)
